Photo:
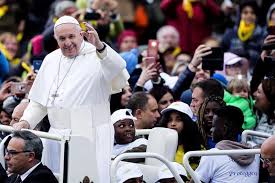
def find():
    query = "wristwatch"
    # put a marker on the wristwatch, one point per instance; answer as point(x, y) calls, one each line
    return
point(102, 49)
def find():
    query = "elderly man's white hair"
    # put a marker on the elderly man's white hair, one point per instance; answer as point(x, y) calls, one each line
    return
point(167, 29)
point(65, 20)
point(61, 6)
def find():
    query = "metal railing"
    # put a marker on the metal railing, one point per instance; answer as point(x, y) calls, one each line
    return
point(46, 135)
point(143, 155)
point(247, 133)
point(189, 154)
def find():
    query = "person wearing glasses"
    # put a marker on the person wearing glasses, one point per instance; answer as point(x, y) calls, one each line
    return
point(268, 156)
point(23, 157)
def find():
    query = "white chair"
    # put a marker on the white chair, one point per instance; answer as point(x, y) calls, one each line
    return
point(163, 141)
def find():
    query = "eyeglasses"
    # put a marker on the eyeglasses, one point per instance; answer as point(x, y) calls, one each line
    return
point(267, 161)
point(12, 153)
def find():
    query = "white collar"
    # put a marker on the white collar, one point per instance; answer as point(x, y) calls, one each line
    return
point(27, 173)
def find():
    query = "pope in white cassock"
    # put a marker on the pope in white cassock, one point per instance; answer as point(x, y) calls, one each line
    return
point(80, 73)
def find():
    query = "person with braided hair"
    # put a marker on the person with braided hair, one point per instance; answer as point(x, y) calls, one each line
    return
point(205, 118)
point(227, 125)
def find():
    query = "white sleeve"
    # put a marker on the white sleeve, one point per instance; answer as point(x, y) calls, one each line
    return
point(34, 113)
point(120, 81)
point(205, 169)
point(112, 64)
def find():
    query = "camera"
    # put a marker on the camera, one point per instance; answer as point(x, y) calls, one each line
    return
point(214, 61)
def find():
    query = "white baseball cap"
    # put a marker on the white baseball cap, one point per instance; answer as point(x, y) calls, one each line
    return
point(122, 114)
point(128, 171)
point(65, 20)
point(165, 173)
point(179, 106)
point(231, 58)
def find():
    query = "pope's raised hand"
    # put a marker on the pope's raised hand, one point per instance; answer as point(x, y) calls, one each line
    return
point(92, 36)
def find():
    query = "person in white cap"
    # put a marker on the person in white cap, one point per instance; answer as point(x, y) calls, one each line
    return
point(79, 74)
point(129, 173)
point(178, 116)
point(165, 175)
point(125, 140)
point(232, 65)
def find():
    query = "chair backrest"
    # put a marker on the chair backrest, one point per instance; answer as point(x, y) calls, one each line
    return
point(2, 150)
point(81, 158)
point(163, 141)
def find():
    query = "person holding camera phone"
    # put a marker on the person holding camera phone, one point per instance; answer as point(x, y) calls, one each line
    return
point(262, 87)
point(264, 66)
point(80, 73)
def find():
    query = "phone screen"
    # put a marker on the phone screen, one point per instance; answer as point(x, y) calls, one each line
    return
point(19, 88)
point(214, 61)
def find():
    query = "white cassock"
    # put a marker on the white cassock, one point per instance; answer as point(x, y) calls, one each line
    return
point(87, 80)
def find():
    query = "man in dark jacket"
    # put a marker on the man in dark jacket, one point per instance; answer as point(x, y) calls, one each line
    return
point(23, 157)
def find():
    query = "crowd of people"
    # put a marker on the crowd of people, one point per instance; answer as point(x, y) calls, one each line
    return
point(139, 65)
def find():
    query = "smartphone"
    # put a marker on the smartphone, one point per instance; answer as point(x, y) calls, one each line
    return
point(36, 65)
point(19, 88)
point(269, 62)
point(149, 60)
point(214, 61)
point(152, 50)
point(269, 46)
point(271, 30)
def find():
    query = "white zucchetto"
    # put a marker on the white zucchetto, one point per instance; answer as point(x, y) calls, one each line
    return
point(66, 20)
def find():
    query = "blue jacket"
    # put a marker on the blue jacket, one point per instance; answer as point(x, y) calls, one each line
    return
point(4, 67)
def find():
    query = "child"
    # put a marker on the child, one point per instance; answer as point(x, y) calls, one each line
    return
point(165, 175)
point(125, 140)
point(239, 97)
point(178, 116)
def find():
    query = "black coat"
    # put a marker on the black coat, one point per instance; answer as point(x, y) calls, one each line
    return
point(3, 174)
point(41, 174)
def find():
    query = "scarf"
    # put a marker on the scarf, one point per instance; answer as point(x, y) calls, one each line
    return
point(187, 7)
point(3, 10)
point(245, 31)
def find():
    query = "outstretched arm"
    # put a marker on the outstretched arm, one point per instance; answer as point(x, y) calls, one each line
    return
point(33, 114)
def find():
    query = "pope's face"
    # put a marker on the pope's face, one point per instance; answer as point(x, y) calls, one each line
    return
point(69, 39)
